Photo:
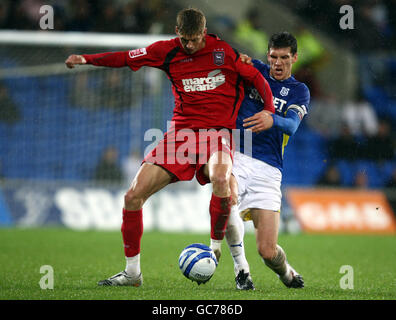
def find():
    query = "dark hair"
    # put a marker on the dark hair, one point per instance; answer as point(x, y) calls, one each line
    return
point(190, 21)
point(283, 40)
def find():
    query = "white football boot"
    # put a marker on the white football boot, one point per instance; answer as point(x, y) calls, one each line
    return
point(122, 279)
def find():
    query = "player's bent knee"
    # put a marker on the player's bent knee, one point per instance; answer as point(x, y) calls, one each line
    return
point(133, 201)
point(220, 180)
point(221, 186)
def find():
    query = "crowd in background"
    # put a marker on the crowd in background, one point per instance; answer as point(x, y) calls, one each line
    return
point(374, 21)
point(131, 16)
point(353, 129)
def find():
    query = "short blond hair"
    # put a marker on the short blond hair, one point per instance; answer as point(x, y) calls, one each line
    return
point(190, 21)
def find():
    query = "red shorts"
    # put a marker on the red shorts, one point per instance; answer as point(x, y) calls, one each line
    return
point(184, 152)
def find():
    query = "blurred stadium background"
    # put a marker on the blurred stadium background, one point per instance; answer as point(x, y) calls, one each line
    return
point(70, 140)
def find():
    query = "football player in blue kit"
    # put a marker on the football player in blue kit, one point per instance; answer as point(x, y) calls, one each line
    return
point(257, 172)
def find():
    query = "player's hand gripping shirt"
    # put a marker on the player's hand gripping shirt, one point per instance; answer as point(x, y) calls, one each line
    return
point(207, 85)
point(289, 95)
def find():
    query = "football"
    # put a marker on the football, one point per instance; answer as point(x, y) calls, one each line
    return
point(197, 262)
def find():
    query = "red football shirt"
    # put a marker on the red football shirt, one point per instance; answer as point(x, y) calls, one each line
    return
point(208, 85)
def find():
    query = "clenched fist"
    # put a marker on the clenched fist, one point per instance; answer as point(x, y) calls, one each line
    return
point(74, 59)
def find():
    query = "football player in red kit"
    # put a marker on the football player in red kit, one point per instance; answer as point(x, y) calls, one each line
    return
point(207, 79)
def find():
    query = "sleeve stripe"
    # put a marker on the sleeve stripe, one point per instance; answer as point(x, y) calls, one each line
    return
point(301, 110)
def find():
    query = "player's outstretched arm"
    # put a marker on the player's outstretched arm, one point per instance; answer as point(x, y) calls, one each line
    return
point(253, 76)
point(105, 59)
point(74, 59)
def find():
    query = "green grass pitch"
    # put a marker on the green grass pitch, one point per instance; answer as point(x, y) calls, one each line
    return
point(80, 258)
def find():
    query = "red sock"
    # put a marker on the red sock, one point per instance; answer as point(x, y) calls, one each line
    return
point(219, 210)
point(132, 231)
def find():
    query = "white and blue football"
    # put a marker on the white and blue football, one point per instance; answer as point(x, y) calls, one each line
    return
point(198, 262)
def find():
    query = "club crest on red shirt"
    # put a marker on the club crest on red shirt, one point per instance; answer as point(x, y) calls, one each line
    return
point(218, 58)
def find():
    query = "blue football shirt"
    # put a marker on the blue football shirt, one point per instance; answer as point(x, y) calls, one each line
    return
point(289, 95)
